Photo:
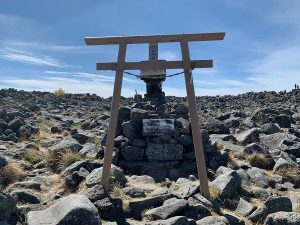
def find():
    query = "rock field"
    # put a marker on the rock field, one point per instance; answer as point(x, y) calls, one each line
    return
point(52, 149)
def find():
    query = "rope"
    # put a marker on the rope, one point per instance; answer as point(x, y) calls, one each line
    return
point(154, 77)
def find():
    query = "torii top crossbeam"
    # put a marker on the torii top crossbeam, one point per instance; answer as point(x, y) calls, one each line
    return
point(186, 64)
point(154, 38)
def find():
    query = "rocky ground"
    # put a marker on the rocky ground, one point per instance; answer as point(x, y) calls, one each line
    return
point(51, 157)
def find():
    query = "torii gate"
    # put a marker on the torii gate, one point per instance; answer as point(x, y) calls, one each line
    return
point(186, 64)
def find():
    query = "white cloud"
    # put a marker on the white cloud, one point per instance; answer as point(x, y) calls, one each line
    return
point(30, 58)
point(69, 85)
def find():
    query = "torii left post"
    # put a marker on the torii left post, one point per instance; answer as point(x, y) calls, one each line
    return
point(111, 133)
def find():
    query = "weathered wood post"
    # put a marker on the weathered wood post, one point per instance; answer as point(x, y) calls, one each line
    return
point(197, 139)
point(111, 133)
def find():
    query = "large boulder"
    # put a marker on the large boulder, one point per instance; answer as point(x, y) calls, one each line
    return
point(277, 204)
point(74, 209)
point(167, 210)
point(66, 144)
point(15, 124)
point(249, 136)
point(227, 184)
point(7, 208)
point(273, 141)
point(213, 126)
point(283, 218)
point(95, 177)
point(270, 128)
point(259, 177)
point(283, 120)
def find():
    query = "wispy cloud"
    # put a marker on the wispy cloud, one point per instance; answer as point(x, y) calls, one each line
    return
point(30, 58)
point(70, 85)
point(91, 76)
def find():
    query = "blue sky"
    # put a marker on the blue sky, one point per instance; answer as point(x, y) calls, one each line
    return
point(42, 46)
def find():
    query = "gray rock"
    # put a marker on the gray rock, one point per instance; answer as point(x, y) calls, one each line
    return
point(249, 136)
point(272, 141)
point(111, 209)
point(89, 150)
point(270, 128)
point(25, 196)
point(95, 176)
point(283, 218)
point(144, 182)
point(137, 115)
point(3, 161)
point(187, 188)
point(227, 183)
point(95, 193)
point(134, 192)
point(66, 144)
point(255, 148)
point(138, 142)
point(130, 130)
point(167, 210)
point(29, 185)
point(133, 153)
point(259, 215)
point(176, 220)
point(283, 120)
point(74, 209)
point(213, 126)
point(15, 124)
point(184, 125)
point(283, 164)
point(82, 138)
point(196, 211)
point(245, 208)
point(280, 203)
point(139, 206)
point(213, 220)
point(186, 140)
point(7, 207)
point(164, 152)
point(259, 177)
point(86, 164)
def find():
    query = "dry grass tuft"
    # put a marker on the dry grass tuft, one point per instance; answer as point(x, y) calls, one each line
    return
point(232, 161)
point(59, 92)
point(58, 161)
point(260, 161)
point(214, 192)
point(33, 156)
point(11, 173)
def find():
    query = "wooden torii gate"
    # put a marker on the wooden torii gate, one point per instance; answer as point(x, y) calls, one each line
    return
point(187, 64)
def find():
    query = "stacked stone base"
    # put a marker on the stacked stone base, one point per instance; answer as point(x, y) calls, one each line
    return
point(161, 156)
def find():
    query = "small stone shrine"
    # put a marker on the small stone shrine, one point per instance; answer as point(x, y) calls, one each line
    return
point(157, 140)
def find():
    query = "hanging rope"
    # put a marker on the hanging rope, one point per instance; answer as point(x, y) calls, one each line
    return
point(154, 77)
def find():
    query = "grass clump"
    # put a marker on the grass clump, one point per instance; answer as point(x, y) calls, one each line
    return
point(58, 161)
point(59, 92)
point(33, 156)
point(214, 192)
point(10, 174)
point(261, 161)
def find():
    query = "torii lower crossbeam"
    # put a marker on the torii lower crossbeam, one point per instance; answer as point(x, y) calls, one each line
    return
point(186, 64)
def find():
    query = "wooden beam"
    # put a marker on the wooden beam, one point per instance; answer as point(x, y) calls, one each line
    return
point(111, 133)
point(197, 139)
point(156, 65)
point(154, 38)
